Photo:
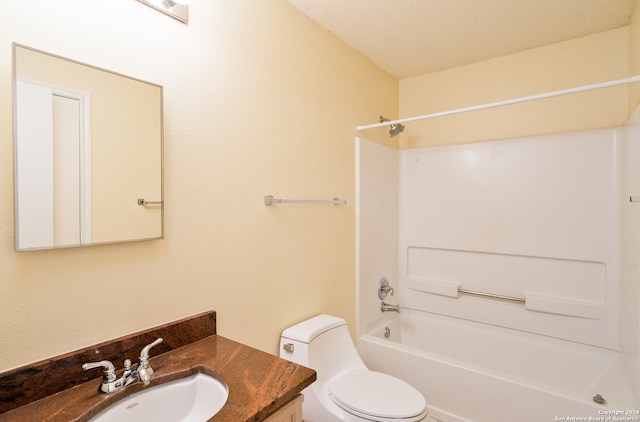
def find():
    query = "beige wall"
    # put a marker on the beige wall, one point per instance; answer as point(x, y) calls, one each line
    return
point(593, 59)
point(258, 100)
point(634, 59)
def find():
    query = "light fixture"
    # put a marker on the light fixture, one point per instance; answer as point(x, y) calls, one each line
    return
point(177, 9)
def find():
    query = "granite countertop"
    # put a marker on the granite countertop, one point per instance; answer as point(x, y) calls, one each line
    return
point(259, 383)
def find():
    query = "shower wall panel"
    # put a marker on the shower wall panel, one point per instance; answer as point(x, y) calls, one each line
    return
point(533, 218)
point(376, 225)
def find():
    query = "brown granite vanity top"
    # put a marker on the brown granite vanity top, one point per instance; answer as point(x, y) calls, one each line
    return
point(259, 383)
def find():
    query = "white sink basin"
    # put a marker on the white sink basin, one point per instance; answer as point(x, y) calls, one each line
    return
point(193, 399)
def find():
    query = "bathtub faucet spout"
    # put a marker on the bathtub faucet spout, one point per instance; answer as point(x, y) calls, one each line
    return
point(385, 307)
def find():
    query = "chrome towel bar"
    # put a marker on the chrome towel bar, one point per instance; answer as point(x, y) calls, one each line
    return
point(270, 200)
point(142, 201)
point(491, 295)
point(532, 300)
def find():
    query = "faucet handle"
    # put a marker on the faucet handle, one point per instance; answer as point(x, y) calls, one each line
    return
point(144, 353)
point(108, 372)
point(384, 288)
point(110, 382)
point(144, 369)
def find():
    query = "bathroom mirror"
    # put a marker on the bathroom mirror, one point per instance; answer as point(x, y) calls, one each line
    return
point(87, 154)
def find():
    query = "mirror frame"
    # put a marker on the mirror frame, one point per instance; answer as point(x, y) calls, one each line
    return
point(146, 202)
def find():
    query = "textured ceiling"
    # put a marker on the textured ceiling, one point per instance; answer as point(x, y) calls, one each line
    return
point(413, 37)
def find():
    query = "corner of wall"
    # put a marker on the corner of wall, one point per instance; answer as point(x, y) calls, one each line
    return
point(634, 59)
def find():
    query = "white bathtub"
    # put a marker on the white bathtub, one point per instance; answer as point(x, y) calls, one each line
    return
point(475, 372)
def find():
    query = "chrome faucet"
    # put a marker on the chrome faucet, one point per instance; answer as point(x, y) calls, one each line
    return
point(385, 307)
point(142, 373)
point(109, 381)
point(144, 370)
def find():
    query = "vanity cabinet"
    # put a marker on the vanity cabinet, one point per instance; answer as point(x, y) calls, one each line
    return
point(290, 412)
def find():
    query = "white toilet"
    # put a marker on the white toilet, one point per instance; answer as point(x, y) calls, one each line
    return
point(345, 389)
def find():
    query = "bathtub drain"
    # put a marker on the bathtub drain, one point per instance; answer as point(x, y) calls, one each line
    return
point(387, 332)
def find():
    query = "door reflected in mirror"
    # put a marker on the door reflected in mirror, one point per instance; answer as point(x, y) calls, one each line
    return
point(87, 149)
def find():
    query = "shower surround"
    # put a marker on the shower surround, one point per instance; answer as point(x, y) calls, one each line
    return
point(545, 221)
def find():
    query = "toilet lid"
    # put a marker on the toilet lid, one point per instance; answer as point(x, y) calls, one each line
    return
point(377, 396)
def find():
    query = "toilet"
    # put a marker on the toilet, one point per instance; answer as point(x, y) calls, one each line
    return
point(345, 390)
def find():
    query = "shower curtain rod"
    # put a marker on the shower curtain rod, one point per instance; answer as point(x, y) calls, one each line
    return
point(630, 80)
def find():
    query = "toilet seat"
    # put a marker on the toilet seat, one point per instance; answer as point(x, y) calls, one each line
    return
point(376, 396)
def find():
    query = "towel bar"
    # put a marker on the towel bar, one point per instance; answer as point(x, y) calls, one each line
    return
point(269, 200)
point(142, 201)
point(495, 296)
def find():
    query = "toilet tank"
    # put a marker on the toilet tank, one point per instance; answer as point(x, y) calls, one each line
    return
point(321, 343)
